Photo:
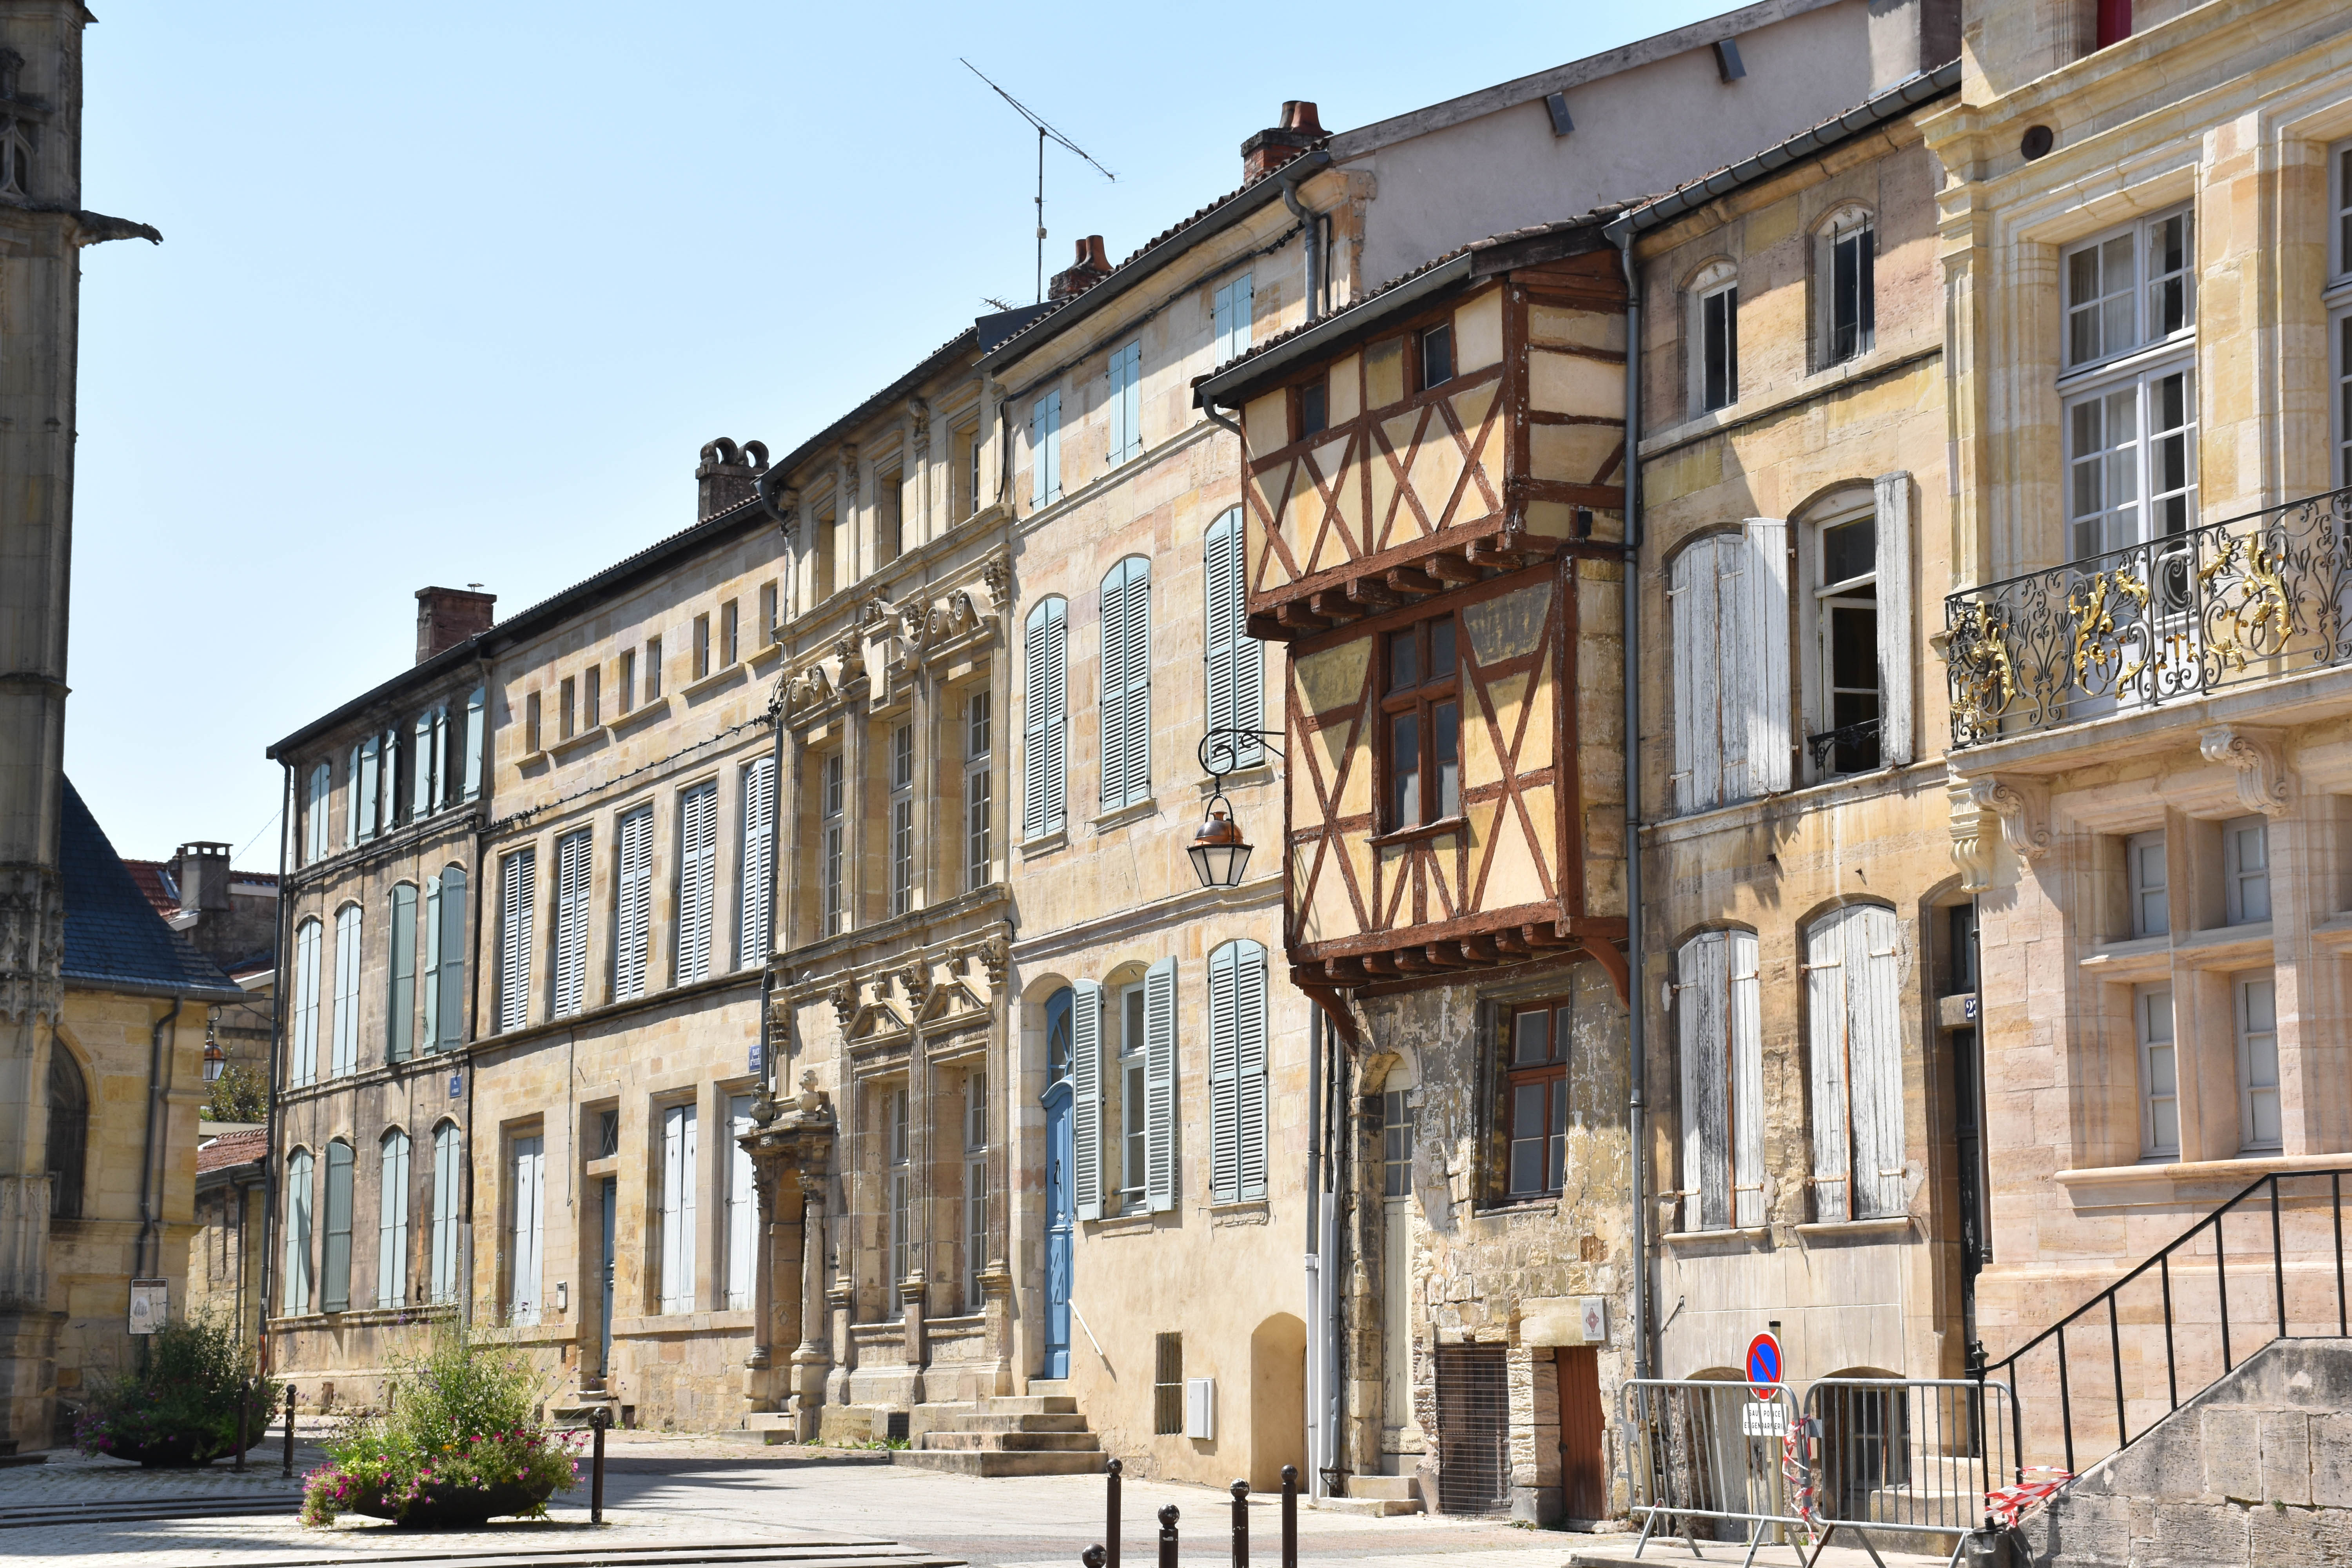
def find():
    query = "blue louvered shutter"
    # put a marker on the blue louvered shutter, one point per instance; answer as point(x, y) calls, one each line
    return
point(1086, 1098)
point(515, 939)
point(1236, 671)
point(1126, 403)
point(475, 740)
point(1250, 1089)
point(453, 958)
point(1224, 1056)
point(1045, 729)
point(1159, 1084)
point(1124, 707)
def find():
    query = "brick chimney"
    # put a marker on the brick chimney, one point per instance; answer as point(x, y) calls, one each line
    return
point(1090, 269)
point(728, 476)
point(448, 616)
point(1270, 148)
point(200, 870)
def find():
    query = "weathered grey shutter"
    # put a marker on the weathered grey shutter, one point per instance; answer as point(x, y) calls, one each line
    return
point(571, 864)
point(633, 943)
point(515, 939)
point(1159, 1084)
point(453, 957)
point(347, 990)
point(322, 783)
point(475, 739)
point(1085, 1097)
point(758, 860)
point(698, 885)
point(1125, 702)
point(431, 1038)
point(296, 1298)
point(1828, 944)
point(337, 1295)
point(1692, 601)
point(1245, 313)
point(400, 1009)
point(447, 1187)
point(1744, 1016)
point(1224, 1062)
point(421, 771)
point(1875, 1059)
point(1250, 1067)
point(1220, 322)
point(392, 1222)
point(305, 1064)
point(390, 794)
point(1700, 998)
point(1763, 652)
point(1045, 729)
point(1896, 637)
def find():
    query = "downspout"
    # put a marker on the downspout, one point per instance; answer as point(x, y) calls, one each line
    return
point(1310, 226)
point(1637, 1114)
point(274, 1115)
point(147, 1164)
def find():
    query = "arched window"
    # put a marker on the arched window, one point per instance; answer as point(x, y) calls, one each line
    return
point(1057, 1036)
point(304, 1064)
point(297, 1272)
point(1846, 272)
point(449, 1206)
point(1854, 1001)
point(1045, 741)
point(1721, 1041)
point(1125, 704)
point(347, 990)
point(1714, 337)
point(445, 959)
point(337, 1258)
point(392, 1222)
point(69, 1133)
point(1237, 1072)
point(1236, 670)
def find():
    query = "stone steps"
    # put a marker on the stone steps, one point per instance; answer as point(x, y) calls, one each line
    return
point(1012, 1442)
point(995, 1462)
point(1021, 1435)
point(1016, 1421)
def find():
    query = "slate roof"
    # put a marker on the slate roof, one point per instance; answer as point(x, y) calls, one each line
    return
point(114, 937)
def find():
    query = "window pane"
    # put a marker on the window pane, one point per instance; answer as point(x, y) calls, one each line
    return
point(1445, 724)
point(1404, 662)
point(1311, 415)
point(1528, 1138)
point(1436, 356)
point(1560, 1034)
point(1532, 1039)
point(1441, 648)
point(1557, 1166)
point(1849, 550)
point(1404, 770)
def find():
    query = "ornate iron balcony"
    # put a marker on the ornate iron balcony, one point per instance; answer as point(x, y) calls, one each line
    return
point(2250, 598)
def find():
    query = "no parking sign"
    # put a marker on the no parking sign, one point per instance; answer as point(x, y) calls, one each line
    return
point(1763, 1362)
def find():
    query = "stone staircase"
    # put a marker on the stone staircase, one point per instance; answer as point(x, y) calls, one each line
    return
point(1376, 1496)
point(1024, 1435)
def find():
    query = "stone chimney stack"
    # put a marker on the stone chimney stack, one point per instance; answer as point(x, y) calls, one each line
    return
point(728, 476)
point(200, 870)
point(1090, 267)
point(1270, 148)
point(448, 616)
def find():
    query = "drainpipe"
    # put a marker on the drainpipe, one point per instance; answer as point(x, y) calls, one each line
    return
point(1311, 226)
point(476, 891)
point(275, 1116)
point(147, 1164)
point(1637, 1116)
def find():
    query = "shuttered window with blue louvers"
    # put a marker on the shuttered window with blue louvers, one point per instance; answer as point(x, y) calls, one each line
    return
point(1237, 672)
point(1125, 704)
point(1045, 717)
point(1237, 1072)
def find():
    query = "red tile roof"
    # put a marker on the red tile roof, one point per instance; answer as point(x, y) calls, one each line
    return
point(232, 1149)
point(154, 880)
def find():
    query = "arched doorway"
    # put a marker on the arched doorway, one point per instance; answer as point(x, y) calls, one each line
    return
point(1278, 1401)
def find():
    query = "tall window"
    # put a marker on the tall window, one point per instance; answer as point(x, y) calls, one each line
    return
point(1535, 1083)
point(975, 1188)
point(2160, 1074)
point(730, 635)
point(755, 924)
point(742, 1205)
point(964, 470)
point(680, 1161)
point(1237, 669)
point(889, 516)
point(701, 646)
point(827, 554)
point(432, 741)
point(336, 1260)
point(1124, 398)
point(297, 1272)
point(449, 1206)
point(2256, 996)
point(1230, 313)
point(653, 668)
point(979, 782)
point(2339, 301)
point(445, 960)
point(392, 1221)
point(305, 1052)
point(1854, 1001)
point(1851, 244)
point(697, 880)
point(1846, 658)
point(68, 1127)
point(2147, 884)
point(1715, 337)
point(347, 990)
point(1044, 761)
point(16, 160)
point(591, 696)
point(1422, 719)
point(400, 1006)
point(1086, 1058)
point(899, 1245)
point(531, 739)
point(1045, 450)
point(1238, 1096)
point(1133, 1103)
point(367, 799)
point(474, 741)
point(572, 865)
point(1126, 703)
point(633, 906)
point(2131, 431)
point(627, 693)
point(527, 1228)
point(2246, 870)
point(315, 812)
point(1728, 600)
point(518, 892)
point(830, 833)
point(1720, 1037)
point(902, 819)
point(770, 618)
point(1396, 1147)
point(351, 797)
point(567, 708)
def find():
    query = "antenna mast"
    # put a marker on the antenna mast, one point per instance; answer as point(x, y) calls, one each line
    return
point(1045, 132)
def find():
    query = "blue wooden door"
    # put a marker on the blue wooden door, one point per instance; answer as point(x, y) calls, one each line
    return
point(1061, 1214)
point(611, 1205)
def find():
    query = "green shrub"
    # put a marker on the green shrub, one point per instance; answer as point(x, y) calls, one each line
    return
point(461, 1420)
point(178, 1406)
point(239, 1094)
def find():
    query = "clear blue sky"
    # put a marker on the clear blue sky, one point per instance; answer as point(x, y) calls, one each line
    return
point(454, 294)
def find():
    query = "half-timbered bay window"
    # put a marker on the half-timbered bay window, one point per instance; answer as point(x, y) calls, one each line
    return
point(1721, 1042)
point(1728, 598)
point(1421, 715)
point(1854, 1001)
point(1535, 1088)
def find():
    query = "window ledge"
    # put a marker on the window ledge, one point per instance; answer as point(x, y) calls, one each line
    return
point(2163, 1181)
point(1885, 1229)
point(579, 742)
point(1727, 1240)
point(1240, 778)
point(1045, 845)
point(2143, 958)
point(1442, 826)
point(1120, 816)
point(2335, 931)
point(694, 689)
point(528, 759)
point(2227, 947)
point(652, 708)
point(765, 656)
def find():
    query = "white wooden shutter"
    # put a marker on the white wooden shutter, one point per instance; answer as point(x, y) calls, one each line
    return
point(1045, 728)
point(1827, 945)
point(400, 1004)
point(437, 755)
point(305, 1065)
point(1702, 968)
point(1159, 1084)
point(1896, 636)
point(1221, 323)
point(635, 898)
point(475, 741)
point(1224, 1062)
point(447, 1189)
point(515, 898)
point(430, 1040)
point(1694, 608)
point(1125, 377)
point(1250, 1097)
point(347, 990)
point(1853, 996)
point(697, 873)
point(689, 1186)
point(673, 1180)
point(392, 1223)
point(742, 1205)
point(1763, 652)
point(453, 956)
point(1744, 1014)
point(1085, 1097)
point(420, 790)
point(759, 862)
point(1237, 669)
point(530, 1228)
point(571, 863)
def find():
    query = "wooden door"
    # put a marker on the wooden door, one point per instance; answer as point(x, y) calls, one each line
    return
point(1583, 1474)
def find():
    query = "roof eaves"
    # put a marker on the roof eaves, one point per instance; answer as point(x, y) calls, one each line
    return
point(1894, 103)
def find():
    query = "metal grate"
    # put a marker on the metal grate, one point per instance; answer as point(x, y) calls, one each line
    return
point(1168, 1386)
point(1474, 1429)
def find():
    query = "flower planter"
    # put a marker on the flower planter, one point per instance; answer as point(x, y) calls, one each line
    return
point(458, 1507)
point(187, 1449)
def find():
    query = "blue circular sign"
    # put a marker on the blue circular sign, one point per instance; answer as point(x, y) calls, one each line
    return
point(1764, 1359)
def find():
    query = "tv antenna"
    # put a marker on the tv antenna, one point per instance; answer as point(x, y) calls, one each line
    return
point(1044, 132)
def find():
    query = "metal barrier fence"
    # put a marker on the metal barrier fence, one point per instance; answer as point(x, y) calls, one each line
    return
point(1750, 1462)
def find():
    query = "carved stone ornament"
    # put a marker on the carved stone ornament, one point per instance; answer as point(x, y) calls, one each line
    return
point(915, 981)
point(844, 998)
point(849, 473)
point(919, 413)
point(912, 616)
point(992, 956)
point(32, 944)
point(1973, 832)
point(2024, 809)
point(2264, 783)
point(998, 575)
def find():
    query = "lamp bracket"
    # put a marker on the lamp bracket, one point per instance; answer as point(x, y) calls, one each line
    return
point(1221, 750)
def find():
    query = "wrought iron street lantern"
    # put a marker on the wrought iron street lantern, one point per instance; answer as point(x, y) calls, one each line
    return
point(215, 1059)
point(1220, 852)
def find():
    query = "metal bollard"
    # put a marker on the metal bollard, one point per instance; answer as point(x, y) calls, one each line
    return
point(286, 1469)
point(1241, 1524)
point(1110, 1521)
point(1092, 1557)
point(244, 1415)
point(1168, 1536)
point(598, 1419)
point(1291, 1516)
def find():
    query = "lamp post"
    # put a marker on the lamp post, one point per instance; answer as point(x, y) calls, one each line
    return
point(1220, 852)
